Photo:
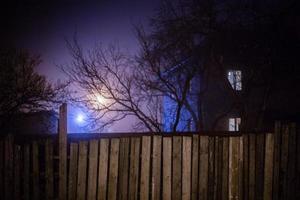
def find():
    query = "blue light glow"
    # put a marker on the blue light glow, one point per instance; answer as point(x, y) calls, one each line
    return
point(80, 118)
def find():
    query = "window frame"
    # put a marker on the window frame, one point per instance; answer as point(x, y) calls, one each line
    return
point(235, 78)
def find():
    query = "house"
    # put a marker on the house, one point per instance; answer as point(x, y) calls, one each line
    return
point(234, 98)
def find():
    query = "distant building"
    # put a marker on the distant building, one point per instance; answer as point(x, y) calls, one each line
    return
point(232, 101)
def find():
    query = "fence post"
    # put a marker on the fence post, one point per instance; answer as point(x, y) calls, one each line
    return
point(62, 143)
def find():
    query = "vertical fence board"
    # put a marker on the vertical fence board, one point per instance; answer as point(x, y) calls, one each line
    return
point(123, 169)
point(176, 167)
point(103, 168)
point(241, 168)
point(145, 167)
point(156, 168)
point(35, 171)
point(186, 167)
point(220, 168)
point(113, 169)
point(49, 184)
point(216, 164)
point(234, 167)
point(134, 168)
point(203, 167)
point(195, 167)
point(8, 163)
point(246, 166)
point(26, 172)
point(167, 168)
point(298, 164)
point(62, 143)
point(268, 176)
point(252, 142)
point(225, 168)
point(277, 152)
point(17, 167)
point(211, 167)
point(73, 169)
point(284, 163)
point(1, 169)
point(92, 173)
point(259, 171)
point(82, 170)
point(291, 184)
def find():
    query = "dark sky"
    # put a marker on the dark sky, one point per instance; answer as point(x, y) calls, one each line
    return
point(41, 26)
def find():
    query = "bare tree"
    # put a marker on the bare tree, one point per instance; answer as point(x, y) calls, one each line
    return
point(170, 78)
point(107, 85)
point(113, 85)
point(22, 89)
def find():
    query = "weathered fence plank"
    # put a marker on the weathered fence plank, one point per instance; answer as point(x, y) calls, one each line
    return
point(167, 168)
point(246, 166)
point(1, 169)
point(176, 167)
point(216, 165)
point(298, 164)
point(8, 167)
point(73, 169)
point(113, 169)
point(203, 168)
point(234, 143)
point(17, 177)
point(268, 174)
point(291, 176)
point(62, 143)
point(26, 172)
point(145, 167)
point(241, 168)
point(211, 168)
point(49, 184)
point(276, 173)
point(186, 167)
point(134, 168)
point(225, 168)
point(92, 173)
point(102, 170)
point(259, 162)
point(195, 167)
point(35, 171)
point(82, 170)
point(156, 168)
point(284, 162)
point(219, 167)
point(252, 145)
point(123, 169)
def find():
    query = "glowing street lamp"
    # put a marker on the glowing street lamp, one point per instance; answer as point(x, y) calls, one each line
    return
point(80, 118)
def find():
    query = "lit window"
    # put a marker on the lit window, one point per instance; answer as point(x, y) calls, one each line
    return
point(234, 124)
point(235, 79)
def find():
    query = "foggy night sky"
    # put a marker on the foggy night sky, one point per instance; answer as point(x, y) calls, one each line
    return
point(41, 27)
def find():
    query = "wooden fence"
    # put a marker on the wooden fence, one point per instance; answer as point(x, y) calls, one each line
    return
point(148, 166)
